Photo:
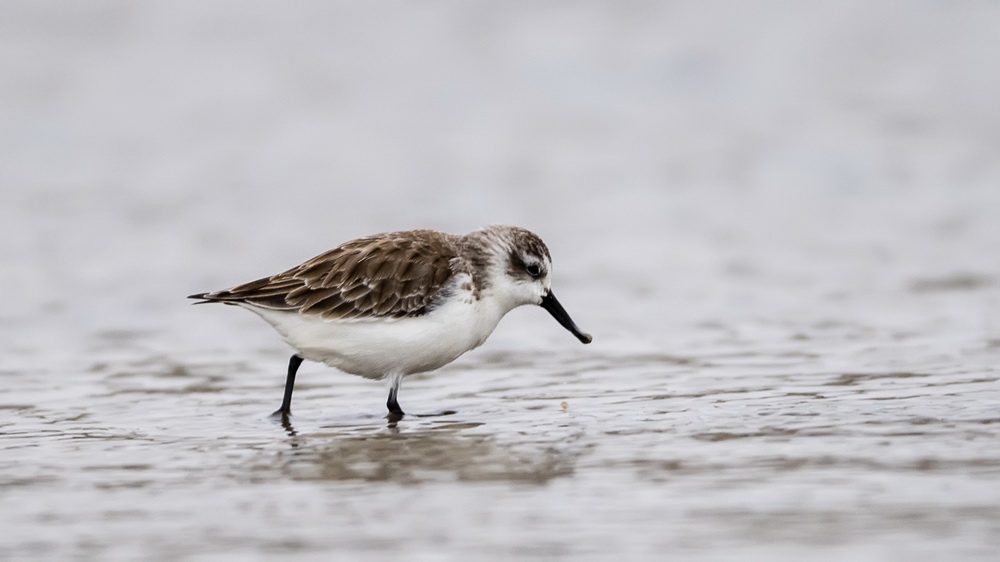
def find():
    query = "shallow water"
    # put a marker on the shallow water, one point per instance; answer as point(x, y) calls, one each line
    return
point(820, 444)
point(785, 246)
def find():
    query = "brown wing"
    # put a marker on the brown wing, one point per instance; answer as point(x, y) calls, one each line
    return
point(386, 275)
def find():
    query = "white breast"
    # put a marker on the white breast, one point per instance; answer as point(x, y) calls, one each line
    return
point(377, 348)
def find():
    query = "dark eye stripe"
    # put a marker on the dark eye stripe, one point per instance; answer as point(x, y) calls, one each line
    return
point(519, 266)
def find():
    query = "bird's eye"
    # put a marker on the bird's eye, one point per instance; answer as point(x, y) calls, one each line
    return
point(533, 270)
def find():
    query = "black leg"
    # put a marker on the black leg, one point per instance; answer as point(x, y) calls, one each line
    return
point(391, 403)
point(286, 402)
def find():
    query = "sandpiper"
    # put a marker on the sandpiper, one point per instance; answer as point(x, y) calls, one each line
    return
point(394, 304)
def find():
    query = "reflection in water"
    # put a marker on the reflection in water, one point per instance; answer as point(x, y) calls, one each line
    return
point(286, 424)
point(436, 451)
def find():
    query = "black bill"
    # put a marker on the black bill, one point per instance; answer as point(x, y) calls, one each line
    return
point(550, 303)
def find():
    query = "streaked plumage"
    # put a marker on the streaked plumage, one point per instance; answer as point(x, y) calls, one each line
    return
point(399, 303)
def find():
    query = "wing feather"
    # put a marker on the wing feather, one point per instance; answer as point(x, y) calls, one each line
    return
point(386, 275)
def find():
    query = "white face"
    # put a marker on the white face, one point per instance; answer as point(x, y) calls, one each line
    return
point(526, 278)
point(527, 282)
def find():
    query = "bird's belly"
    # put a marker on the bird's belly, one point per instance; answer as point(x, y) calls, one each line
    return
point(377, 348)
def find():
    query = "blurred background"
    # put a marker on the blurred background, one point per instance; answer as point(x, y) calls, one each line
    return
point(684, 158)
point(777, 172)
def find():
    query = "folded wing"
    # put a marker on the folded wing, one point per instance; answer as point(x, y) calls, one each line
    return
point(386, 275)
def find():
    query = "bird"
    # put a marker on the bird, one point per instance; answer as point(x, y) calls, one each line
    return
point(395, 304)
